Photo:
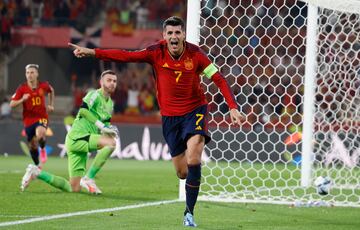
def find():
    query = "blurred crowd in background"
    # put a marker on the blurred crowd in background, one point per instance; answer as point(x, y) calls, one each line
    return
point(122, 16)
point(141, 14)
point(135, 92)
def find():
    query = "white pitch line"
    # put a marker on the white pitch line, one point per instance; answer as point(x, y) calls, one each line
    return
point(18, 216)
point(11, 171)
point(81, 213)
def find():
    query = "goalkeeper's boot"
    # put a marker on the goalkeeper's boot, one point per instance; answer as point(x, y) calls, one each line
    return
point(32, 171)
point(43, 155)
point(189, 220)
point(89, 185)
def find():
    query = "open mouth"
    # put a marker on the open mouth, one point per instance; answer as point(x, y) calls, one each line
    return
point(174, 44)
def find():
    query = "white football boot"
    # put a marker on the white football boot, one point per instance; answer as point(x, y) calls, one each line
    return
point(32, 171)
point(89, 185)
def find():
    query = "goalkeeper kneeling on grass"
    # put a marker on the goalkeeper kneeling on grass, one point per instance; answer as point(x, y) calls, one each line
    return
point(91, 131)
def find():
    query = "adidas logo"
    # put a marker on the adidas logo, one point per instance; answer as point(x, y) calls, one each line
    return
point(165, 65)
point(198, 128)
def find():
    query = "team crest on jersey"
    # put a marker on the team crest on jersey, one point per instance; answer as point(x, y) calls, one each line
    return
point(188, 63)
point(41, 92)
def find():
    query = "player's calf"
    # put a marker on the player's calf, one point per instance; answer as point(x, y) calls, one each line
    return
point(192, 186)
point(34, 153)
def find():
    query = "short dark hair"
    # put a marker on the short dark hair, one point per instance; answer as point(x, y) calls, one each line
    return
point(36, 66)
point(107, 72)
point(174, 21)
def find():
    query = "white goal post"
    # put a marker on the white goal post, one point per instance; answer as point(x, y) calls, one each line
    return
point(294, 67)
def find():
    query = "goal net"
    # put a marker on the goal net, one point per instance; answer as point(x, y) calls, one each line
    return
point(294, 67)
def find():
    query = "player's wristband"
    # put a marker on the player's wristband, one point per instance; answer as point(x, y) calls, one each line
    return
point(99, 124)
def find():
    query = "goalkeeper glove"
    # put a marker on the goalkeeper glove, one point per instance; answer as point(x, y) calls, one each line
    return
point(115, 129)
point(106, 129)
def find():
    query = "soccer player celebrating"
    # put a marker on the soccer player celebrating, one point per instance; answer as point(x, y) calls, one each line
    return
point(91, 131)
point(177, 65)
point(35, 117)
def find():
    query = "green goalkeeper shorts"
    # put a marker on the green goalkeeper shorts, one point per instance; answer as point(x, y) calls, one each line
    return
point(77, 152)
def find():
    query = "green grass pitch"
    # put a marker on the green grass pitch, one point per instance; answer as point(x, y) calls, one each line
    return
point(128, 182)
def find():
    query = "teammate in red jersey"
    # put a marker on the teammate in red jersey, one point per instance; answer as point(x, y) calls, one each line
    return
point(35, 117)
point(177, 66)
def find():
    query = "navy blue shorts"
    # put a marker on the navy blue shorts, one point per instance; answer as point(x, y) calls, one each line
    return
point(31, 130)
point(178, 129)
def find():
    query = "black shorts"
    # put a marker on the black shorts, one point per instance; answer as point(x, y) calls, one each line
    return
point(31, 130)
point(178, 129)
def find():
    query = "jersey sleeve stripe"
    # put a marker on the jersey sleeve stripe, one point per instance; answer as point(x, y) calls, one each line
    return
point(210, 70)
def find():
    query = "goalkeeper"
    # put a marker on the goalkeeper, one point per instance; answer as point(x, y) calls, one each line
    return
point(91, 131)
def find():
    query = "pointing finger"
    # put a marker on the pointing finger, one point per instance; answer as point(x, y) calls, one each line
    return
point(73, 45)
point(232, 120)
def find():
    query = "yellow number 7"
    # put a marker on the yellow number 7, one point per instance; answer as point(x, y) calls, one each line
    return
point(43, 121)
point(201, 116)
point(178, 73)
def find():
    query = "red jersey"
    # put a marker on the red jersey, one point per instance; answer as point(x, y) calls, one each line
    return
point(177, 80)
point(34, 109)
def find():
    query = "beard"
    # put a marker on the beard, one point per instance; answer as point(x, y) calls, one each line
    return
point(109, 90)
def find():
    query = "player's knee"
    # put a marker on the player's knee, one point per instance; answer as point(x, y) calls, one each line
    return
point(41, 135)
point(181, 174)
point(112, 143)
point(41, 132)
point(194, 159)
point(196, 144)
point(107, 142)
point(42, 142)
point(198, 147)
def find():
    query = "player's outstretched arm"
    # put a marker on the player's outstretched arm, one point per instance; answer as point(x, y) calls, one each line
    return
point(117, 55)
point(80, 51)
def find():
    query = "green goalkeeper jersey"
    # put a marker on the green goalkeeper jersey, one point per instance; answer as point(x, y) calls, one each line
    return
point(100, 107)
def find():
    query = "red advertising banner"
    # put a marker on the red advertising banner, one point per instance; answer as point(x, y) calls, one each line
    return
point(92, 37)
point(41, 36)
